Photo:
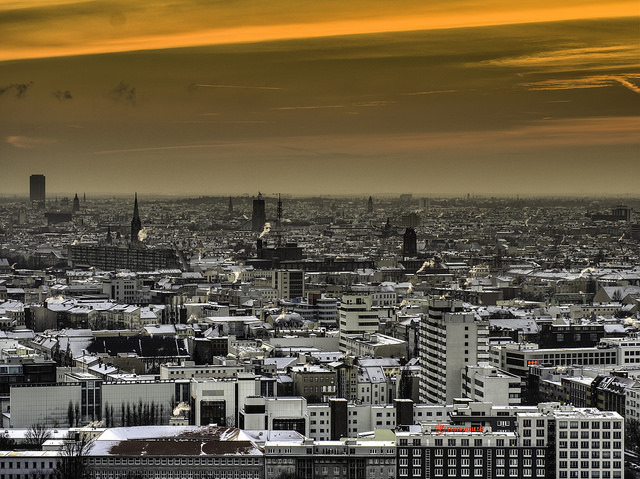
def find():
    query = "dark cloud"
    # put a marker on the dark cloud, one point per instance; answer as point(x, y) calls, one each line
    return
point(63, 95)
point(19, 89)
point(124, 93)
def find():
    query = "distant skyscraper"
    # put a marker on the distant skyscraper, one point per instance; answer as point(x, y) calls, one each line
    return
point(136, 224)
point(370, 205)
point(409, 243)
point(37, 189)
point(230, 205)
point(76, 204)
point(259, 217)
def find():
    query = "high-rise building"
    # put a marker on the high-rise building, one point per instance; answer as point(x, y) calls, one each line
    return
point(259, 217)
point(76, 204)
point(450, 339)
point(409, 243)
point(356, 317)
point(136, 224)
point(37, 189)
point(370, 205)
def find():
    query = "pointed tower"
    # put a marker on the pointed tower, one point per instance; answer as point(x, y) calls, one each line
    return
point(76, 204)
point(370, 205)
point(136, 224)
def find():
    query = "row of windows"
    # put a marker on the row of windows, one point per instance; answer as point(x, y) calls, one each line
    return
point(594, 434)
point(164, 461)
point(593, 474)
point(594, 454)
point(25, 465)
point(594, 444)
point(585, 464)
point(592, 424)
point(175, 474)
point(402, 452)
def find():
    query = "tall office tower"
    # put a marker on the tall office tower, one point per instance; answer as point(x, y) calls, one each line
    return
point(370, 205)
point(259, 217)
point(450, 339)
point(230, 205)
point(76, 204)
point(409, 243)
point(37, 190)
point(136, 224)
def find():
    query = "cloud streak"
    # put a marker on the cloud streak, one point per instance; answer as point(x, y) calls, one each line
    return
point(307, 107)
point(243, 87)
point(26, 142)
point(573, 59)
point(593, 81)
point(41, 29)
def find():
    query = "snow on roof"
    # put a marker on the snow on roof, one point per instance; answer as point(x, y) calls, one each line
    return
point(160, 329)
point(174, 441)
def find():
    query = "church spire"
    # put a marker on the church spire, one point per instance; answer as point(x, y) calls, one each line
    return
point(136, 224)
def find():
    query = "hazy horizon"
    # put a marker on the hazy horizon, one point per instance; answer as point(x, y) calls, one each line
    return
point(439, 99)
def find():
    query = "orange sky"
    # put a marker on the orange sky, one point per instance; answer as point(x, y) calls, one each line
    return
point(41, 28)
point(332, 97)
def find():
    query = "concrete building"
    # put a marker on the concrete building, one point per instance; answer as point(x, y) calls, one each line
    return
point(175, 452)
point(26, 464)
point(341, 459)
point(485, 383)
point(313, 382)
point(374, 345)
point(450, 339)
point(356, 317)
point(551, 441)
point(84, 398)
point(288, 283)
point(219, 401)
point(123, 289)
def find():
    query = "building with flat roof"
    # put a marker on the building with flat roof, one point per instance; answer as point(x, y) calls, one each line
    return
point(170, 451)
point(37, 190)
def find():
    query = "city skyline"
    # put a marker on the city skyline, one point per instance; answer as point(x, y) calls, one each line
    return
point(441, 99)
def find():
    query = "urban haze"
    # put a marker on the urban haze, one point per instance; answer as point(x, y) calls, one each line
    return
point(287, 240)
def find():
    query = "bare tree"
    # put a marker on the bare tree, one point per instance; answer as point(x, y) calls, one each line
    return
point(6, 441)
point(70, 414)
point(632, 435)
point(39, 474)
point(36, 435)
point(72, 461)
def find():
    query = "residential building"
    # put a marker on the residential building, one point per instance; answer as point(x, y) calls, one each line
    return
point(450, 339)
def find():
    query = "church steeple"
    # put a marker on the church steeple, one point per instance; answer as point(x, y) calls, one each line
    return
point(136, 224)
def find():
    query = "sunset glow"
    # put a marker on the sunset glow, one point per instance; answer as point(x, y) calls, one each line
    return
point(201, 90)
